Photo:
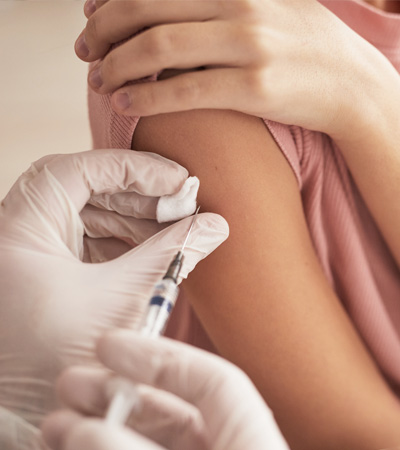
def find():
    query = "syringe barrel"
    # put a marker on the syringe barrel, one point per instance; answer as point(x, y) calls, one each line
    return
point(156, 318)
point(160, 308)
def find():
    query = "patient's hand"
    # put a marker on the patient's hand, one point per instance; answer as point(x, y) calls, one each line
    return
point(290, 61)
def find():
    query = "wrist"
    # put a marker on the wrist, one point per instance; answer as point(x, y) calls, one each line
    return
point(369, 103)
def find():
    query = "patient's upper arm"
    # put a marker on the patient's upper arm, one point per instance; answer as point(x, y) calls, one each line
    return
point(262, 296)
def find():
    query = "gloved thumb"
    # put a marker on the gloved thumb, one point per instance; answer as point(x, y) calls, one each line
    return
point(155, 254)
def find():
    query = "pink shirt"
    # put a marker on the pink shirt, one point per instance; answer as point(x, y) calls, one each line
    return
point(350, 248)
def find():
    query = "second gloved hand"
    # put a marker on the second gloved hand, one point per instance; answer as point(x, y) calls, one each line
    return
point(193, 400)
point(53, 306)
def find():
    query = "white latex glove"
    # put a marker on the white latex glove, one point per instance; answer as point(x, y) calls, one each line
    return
point(52, 305)
point(17, 434)
point(214, 404)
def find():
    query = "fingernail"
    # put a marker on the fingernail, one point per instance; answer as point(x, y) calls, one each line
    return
point(81, 47)
point(90, 7)
point(95, 79)
point(122, 101)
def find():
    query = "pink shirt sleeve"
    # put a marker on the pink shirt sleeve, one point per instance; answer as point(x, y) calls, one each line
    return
point(289, 140)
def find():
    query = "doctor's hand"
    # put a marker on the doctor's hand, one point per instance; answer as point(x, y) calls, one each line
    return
point(190, 399)
point(53, 306)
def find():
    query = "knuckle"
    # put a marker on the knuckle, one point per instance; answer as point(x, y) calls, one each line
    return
point(127, 8)
point(145, 99)
point(247, 7)
point(159, 45)
point(190, 420)
point(255, 40)
point(188, 91)
point(257, 83)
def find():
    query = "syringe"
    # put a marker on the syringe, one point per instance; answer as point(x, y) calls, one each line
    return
point(155, 320)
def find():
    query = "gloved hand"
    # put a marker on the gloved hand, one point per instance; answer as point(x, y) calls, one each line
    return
point(53, 306)
point(214, 404)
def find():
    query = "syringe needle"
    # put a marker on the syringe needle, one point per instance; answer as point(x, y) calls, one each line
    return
point(174, 268)
point(190, 229)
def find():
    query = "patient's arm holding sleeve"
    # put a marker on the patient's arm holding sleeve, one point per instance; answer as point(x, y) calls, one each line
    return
point(262, 296)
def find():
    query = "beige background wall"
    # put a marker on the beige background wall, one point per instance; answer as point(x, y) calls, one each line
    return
point(42, 84)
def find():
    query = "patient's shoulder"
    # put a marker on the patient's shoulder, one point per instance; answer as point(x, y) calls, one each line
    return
point(213, 140)
point(241, 168)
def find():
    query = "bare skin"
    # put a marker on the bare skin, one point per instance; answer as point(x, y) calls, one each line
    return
point(308, 362)
point(385, 5)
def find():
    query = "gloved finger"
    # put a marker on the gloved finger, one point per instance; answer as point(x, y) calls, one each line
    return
point(56, 426)
point(127, 204)
point(67, 430)
point(167, 208)
point(209, 231)
point(103, 224)
point(165, 364)
point(110, 171)
point(84, 389)
point(168, 420)
point(44, 160)
point(160, 415)
point(30, 173)
point(103, 249)
point(94, 434)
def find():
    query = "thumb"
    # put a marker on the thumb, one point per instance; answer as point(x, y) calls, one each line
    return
point(209, 231)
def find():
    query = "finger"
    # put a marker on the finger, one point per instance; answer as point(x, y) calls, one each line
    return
point(103, 249)
point(128, 204)
point(84, 389)
point(91, 6)
point(155, 254)
point(108, 224)
point(205, 89)
point(178, 46)
point(56, 426)
point(109, 171)
point(30, 173)
point(167, 208)
point(164, 364)
point(162, 416)
point(93, 434)
point(118, 20)
point(65, 430)
point(168, 420)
